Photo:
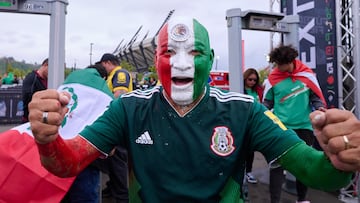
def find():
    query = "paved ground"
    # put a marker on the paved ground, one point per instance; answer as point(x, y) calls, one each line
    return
point(259, 193)
point(5, 127)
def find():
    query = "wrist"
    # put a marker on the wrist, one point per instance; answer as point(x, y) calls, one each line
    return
point(49, 148)
point(48, 139)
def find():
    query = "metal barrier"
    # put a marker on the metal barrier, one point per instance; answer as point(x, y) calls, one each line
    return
point(11, 105)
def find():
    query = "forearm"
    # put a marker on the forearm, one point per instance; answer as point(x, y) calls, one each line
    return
point(67, 158)
point(313, 169)
point(268, 103)
point(316, 102)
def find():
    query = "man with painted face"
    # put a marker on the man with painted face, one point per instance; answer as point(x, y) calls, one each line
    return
point(187, 141)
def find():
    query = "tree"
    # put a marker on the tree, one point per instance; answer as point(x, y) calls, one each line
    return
point(264, 73)
point(127, 66)
point(153, 73)
point(9, 67)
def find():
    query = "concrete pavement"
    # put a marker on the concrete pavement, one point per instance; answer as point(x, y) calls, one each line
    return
point(259, 193)
point(4, 127)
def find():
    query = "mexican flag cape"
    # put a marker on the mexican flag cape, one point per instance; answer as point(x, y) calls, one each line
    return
point(301, 72)
point(22, 178)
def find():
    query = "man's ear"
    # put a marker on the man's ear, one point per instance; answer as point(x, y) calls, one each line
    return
point(211, 58)
point(156, 61)
point(155, 57)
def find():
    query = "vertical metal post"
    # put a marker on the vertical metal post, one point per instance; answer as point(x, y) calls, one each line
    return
point(91, 45)
point(57, 43)
point(292, 37)
point(339, 53)
point(356, 20)
point(233, 17)
point(356, 23)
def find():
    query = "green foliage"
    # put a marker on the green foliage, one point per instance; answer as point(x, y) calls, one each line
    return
point(139, 76)
point(67, 71)
point(21, 69)
point(153, 73)
point(127, 66)
point(264, 73)
point(9, 68)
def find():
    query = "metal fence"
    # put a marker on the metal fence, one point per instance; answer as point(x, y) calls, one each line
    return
point(11, 105)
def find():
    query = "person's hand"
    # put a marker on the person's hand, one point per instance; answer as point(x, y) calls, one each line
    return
point(338, 133)
point(46, 112)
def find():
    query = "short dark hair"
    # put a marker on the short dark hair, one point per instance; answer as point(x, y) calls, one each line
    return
point(110, 57)
point(45, 62)
point(101, 70)
point(283, 54)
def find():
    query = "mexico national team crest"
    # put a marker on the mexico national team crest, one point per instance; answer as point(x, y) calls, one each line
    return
point(222, 141)
point(180, 32)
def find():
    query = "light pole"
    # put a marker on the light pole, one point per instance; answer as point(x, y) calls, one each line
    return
point(91, 44)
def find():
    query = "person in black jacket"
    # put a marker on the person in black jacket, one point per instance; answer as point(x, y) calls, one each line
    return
point(35, 81)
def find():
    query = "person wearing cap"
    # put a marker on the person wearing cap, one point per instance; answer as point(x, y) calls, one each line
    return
point(187, 141)
point(119, 81)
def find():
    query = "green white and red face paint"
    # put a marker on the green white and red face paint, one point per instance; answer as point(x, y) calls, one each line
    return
point(182, 73)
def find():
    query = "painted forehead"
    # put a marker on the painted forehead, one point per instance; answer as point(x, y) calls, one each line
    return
point(183, 29)
point(180, 30)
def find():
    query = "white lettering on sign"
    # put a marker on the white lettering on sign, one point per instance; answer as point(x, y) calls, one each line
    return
point(304, 33)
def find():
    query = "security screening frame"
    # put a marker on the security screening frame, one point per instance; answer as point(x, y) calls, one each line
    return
point(255, 20)
point(57, 10)
point(261, 21)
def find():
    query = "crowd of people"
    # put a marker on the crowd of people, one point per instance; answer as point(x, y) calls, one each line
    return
point(182, 140)
point(9, 78)
point(187, 141)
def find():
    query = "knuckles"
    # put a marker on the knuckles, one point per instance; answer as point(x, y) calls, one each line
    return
point(333, 146)
point(58, 119)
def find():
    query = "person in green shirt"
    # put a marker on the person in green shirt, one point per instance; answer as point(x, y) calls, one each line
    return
point(253, 88)
point(291, 91)
point(8, 78)
point(187, 141)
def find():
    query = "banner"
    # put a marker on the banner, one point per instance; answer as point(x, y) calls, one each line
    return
point(317, 48)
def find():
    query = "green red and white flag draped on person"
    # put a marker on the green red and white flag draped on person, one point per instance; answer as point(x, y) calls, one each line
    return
point(302, 73)
point(195, 37)
point(22, 177)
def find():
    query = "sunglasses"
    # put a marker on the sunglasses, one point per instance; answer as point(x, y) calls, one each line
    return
point(252, 79)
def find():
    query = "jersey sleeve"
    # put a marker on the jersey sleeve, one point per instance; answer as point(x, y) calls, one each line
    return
point(313, 168)
point(109, 129)
point(122, 81)
point(268, 134)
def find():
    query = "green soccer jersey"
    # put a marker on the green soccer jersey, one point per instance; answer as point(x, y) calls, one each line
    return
point(291, 103)
point(198, 157)
point(252, 93)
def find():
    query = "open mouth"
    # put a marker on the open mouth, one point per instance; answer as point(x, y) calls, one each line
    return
point(181, 81)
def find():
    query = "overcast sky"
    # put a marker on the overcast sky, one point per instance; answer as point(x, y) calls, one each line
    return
point(106, 22)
